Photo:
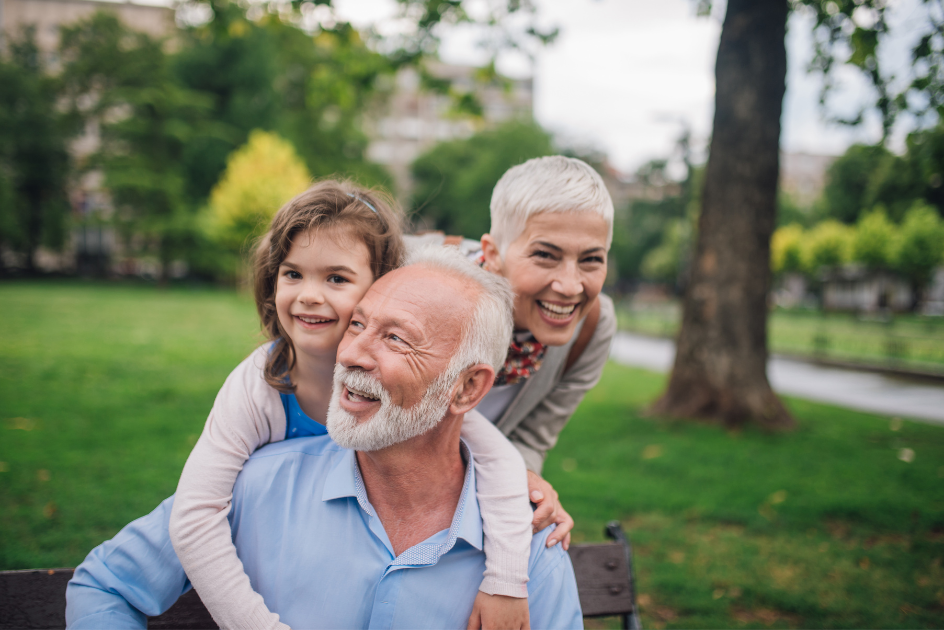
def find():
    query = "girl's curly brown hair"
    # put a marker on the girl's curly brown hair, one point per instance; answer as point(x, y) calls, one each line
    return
point(368, 215)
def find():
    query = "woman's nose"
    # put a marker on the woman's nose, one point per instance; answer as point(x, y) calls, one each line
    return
point(568, 281)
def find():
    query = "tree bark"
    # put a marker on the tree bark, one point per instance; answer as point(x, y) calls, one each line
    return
point(720, 370)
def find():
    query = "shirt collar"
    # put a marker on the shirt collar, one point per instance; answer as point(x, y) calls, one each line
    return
point(345, 480)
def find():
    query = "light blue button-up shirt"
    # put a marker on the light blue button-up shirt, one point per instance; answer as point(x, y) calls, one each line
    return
point(316, 551)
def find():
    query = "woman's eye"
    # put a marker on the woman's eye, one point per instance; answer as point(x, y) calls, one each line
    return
point(543, 255)
point(355, 324)
point(593, 259)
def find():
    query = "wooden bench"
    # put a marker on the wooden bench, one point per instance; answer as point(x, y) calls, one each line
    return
point(37, 598)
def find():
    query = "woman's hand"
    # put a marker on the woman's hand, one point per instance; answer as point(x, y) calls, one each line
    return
point(549, 511)
point(499, 612)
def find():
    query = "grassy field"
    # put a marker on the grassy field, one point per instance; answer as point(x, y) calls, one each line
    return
point(904, 340)
point(104, 389)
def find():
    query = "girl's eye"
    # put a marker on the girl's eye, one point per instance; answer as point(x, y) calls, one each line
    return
point(291, 274)
point(336, 279)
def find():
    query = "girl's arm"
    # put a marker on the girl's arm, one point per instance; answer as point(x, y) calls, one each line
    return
point(502, 490)
point(247, 414)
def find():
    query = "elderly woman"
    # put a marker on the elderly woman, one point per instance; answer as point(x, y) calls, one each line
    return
point(552, 224)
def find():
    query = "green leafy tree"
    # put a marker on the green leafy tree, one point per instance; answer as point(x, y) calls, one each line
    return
point(849, 179)
point(259, 177)
point(666, 263)
point(267, 73)
point(121, 81)
point(828, 244)
point(786, 250)
point(34, 163)
point(454, 180)
point(873, 240)
point(920, 247)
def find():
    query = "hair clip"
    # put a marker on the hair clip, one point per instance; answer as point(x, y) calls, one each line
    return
point(363, 201)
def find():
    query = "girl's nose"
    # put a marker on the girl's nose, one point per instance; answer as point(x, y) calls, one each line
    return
point(311, 293)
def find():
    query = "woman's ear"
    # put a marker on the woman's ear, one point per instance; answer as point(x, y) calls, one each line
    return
point(493, 260)
point(474, 383)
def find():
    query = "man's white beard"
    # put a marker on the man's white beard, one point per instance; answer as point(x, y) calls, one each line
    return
point(391, 424)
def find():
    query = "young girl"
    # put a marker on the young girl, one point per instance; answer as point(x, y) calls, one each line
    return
point(323, 251)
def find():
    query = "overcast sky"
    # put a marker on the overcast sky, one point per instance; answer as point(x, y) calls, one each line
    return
point(625, 75)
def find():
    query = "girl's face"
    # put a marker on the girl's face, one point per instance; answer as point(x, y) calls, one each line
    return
point(556, 268)
point(326, 273)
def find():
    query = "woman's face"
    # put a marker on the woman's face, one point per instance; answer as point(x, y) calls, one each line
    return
point(556, 268)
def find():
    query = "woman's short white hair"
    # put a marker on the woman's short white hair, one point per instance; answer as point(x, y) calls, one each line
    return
point(546, 184)
point(487, 333)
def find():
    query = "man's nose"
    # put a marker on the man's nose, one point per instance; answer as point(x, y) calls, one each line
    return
point(568, 281)
point(356, 351)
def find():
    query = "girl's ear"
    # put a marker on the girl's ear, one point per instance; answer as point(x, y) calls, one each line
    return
point(493, 260)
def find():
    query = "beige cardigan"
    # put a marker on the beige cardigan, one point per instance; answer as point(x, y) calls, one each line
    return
point(545, 402)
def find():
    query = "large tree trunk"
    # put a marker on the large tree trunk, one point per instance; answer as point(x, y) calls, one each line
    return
point(720, 370)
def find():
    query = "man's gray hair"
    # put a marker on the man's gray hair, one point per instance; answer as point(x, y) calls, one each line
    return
point(487, 333)
point(546, 184)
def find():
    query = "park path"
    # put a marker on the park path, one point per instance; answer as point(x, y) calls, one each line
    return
point(865, 391)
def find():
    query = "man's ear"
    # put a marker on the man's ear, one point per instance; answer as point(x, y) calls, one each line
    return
point(493, 260)
point(474, 383)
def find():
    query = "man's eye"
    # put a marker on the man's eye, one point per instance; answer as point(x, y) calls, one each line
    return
point(355, 324)
point(395, 338)
point(543, 255)
point(593, 259)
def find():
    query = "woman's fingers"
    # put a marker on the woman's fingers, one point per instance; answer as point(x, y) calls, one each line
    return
point(562, 532)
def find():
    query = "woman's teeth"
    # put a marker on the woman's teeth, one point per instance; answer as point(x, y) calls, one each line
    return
point(313, 320)
point(555, 311)
point(356, 396)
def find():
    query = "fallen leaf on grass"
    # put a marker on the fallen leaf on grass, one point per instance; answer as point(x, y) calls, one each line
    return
point(864, 564)
point(4, 467)
point(644, 599)
point(906, 455)
point(22, 424)
point(652, 451)
point(50, 510)
point(677, 557)
point(42, 474)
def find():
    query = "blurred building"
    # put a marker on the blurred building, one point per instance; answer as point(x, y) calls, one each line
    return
point(48, 15)
point(803, 176)
point(416, 118)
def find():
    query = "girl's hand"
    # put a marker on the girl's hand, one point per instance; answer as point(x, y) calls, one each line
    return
point(499, 612)
point(549, 511)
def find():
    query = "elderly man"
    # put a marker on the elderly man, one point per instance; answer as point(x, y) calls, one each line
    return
point(379, 526)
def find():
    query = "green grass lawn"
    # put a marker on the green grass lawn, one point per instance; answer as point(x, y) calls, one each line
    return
point(904, 340)
point(104, 389)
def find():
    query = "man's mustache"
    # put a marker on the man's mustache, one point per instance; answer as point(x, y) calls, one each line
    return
point(359, 381)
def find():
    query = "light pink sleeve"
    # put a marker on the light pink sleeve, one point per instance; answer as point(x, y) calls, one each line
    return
point(502, 489)
point(246, 415)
